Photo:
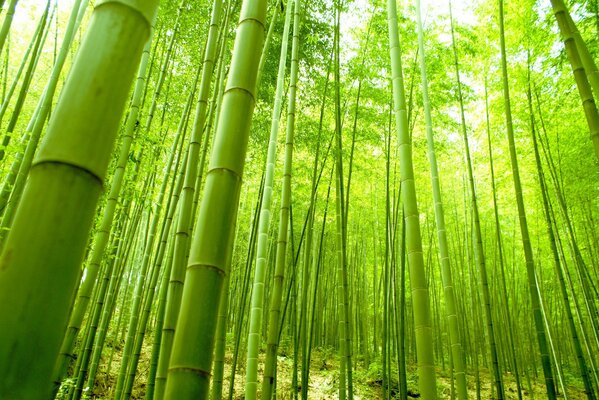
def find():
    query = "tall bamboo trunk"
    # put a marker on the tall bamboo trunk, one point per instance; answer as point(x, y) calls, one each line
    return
point(210, 256)
point(67, 174)
point(420, 294)
point(528, 252)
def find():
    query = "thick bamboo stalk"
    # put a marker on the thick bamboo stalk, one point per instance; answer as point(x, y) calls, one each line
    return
point(103, 233)
point(210, 255)
point(68, 174)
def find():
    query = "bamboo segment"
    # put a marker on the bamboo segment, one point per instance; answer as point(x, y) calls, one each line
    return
point(581, 76)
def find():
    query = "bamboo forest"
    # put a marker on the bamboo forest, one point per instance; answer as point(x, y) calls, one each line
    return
point(299, 199)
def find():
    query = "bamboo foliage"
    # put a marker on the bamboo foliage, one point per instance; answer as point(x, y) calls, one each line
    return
point(8, 95)
point(38, 38)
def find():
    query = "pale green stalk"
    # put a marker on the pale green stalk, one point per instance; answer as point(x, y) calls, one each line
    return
point(590, 67)
point(257, 297)
point(10, 13)
point(270, 363)
point(450, 302)
point(220, 347)
point(528, 252)
point(216, 390)
point(150, 389)
point(345, 364)
point(418, 282)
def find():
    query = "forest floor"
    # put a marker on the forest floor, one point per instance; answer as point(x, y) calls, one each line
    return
point(323, 380)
